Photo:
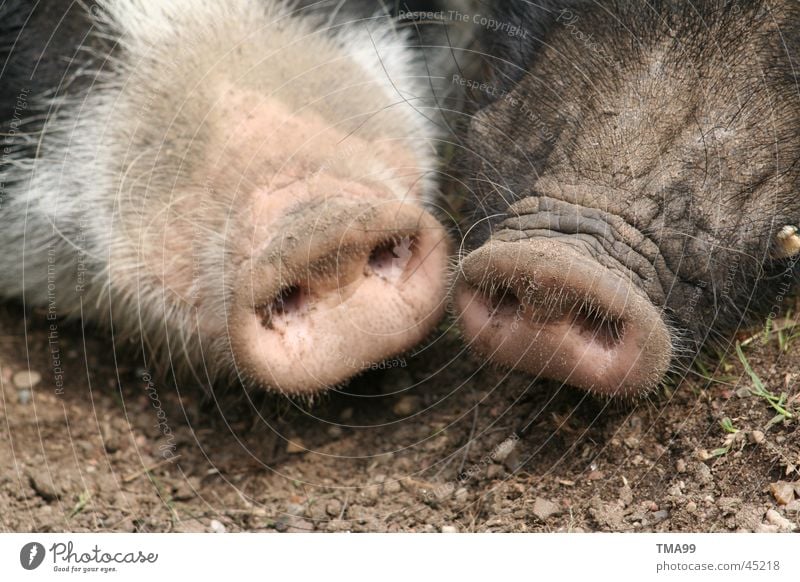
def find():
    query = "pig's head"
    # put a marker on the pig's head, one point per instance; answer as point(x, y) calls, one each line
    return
point(264, 178)
point(635, 171)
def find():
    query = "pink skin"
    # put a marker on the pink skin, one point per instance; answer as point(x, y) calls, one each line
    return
point(332, 261)
point(345, 270)
point(560, 315)
point(379, 290)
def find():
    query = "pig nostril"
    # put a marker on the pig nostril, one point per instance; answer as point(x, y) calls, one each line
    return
point(599, 326)
point(502, 300)
point(289, 300)
point(390, 258)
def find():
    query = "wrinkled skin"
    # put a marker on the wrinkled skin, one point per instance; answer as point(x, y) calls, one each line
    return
point(633, 174)
point(241, 188)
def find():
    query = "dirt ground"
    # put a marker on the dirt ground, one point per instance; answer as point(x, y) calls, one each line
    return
point(437, 443)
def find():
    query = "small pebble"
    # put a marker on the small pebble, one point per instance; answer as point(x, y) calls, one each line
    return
point(680, 466)
point(449, 529)
point(704, 455)
point(757, 437)
point(26, 379)
point(513, 461)
point(43, 485)
point(295, 447)
point(626, 495)
point(406, 406)
point(112, 440)
point(296, 506)
point(691, 507)
point(24, 396)
point(187, 489)
point(216, 526)
point(675, 490)
point(660, 516)
point(338, 525)
point(370, 494)
point(297, 525)
point(779, 521)
point(782, 491)
point(495, 471)
point(702, 474)
point(392, 487)
point(544, 508)
point(596, 476)
point(504, 449)
point(333, 508)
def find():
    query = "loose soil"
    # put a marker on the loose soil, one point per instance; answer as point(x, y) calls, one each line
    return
point(438, 442)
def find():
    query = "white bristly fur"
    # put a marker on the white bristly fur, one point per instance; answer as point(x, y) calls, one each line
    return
point(95, 183)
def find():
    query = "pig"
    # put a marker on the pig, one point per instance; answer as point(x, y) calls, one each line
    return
point(245, 190)
point(631, 174)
